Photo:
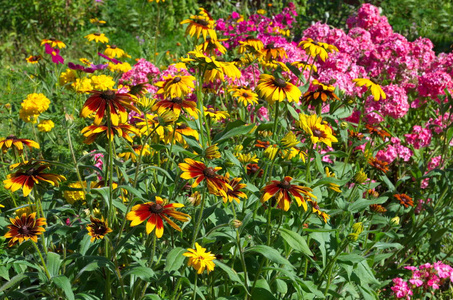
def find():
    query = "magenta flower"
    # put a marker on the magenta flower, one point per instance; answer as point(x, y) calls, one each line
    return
point(55, 53)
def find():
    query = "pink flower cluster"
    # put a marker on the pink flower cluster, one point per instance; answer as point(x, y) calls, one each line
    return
point(98, 161)
point(424, 278)
point(394, 106)
point(394, 151)
point(420, 137)
point(143, 72)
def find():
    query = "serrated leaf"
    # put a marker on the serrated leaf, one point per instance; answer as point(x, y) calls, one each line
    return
point(295, 241)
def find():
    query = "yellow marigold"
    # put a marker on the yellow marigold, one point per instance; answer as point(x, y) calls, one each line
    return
point(46, 125)
point(121, 68)
point(73, 196)
point(82, 85)
point(102, 82)
point(69, 76)
point(33, 106)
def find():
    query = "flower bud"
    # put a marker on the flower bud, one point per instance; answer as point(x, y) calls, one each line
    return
point(360, 177)
point(236, 223)
point(344, 125)
point(395, 221)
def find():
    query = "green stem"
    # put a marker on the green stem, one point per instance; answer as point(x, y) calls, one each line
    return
point(42, 260)
point(200, 217)
point(194, 295)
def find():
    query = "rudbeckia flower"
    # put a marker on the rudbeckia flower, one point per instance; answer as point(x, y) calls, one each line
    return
point(28, 174)
point(12, 140)
point(374, 88)
point(52, 42)
point(33, 59)
point(24, 228)
point(198, 170)
point(97, 37)
point(215, 114)
point(182, 129)
point(202, 24)
point(270, 52)
point(318, 131)
point(323, 92)
point(234, 193)
point(378, 164)
point(314, 49)
point(137, 150)
point(250, 43)
point(319, 212)
point(122, 130)
point(405, 200)
point(114, 51)
point(176, 86)
point(223, 69)
point(97, 229)
point(245, 96)
point(155, 213)
point(110, 101)
point(212, 46)
point(277, 89)
point(282, 190)
point(200, 260)
point(176, 104)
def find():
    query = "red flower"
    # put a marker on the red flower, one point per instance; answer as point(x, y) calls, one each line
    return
point(281, 190)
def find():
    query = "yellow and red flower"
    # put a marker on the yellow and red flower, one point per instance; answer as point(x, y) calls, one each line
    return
point(123, 130)
point(28, 174)
point(282, 190)
point(155, 213)
point(24, 228)
point(33, 59)
point(115, 103)
point(405, 200)
point(97, 229)
point(12, 140)
point(198, 170)
point(176, 104)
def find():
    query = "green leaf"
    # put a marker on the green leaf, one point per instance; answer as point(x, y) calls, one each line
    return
point(15, 280)
point(63, 283)
point(231, 273)
point(361, 204)
point(143, 273)
point(233, 129)
point(53, 263)
point(381, 245)
point(295, 241)
point(175, 259)
point(352, 258)
point(4, 273)
point(262, 291)
point(270, 253)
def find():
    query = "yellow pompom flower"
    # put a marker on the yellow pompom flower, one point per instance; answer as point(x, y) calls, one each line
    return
point(102, 82)
point(33, 106)
point(46, 125)
point(82, 85)
point(121, 68)
point(69, 76)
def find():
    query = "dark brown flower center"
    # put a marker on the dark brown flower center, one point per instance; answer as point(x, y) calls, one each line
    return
point(113, 47)
point(97, 34)
point(177, 100)
point(108, 95)
point(31, 172)
point(99, 229)
point(11, 137)
point(280, 82)
point(182, 126)
point(202, 22)
point(156, 208)
point(211, 110)
point(25, 230)
point(176, 79)
point(284, 184)
point(209, 173)
point(270, 46)
point(317, 132)
point(245, 95)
